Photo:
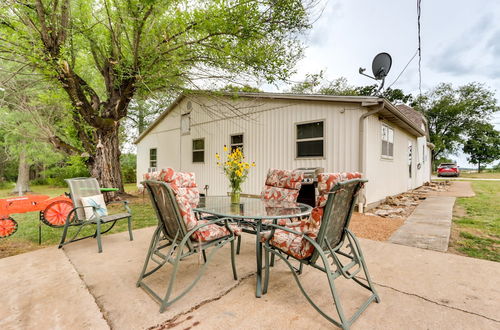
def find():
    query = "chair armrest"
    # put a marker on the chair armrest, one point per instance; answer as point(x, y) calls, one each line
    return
point(125, 205)
point(225, 220)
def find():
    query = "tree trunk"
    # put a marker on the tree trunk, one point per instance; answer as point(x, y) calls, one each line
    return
point(23, 175)
point(479, 167)
point(105, 165)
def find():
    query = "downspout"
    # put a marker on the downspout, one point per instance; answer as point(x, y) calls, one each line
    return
point(361, 149)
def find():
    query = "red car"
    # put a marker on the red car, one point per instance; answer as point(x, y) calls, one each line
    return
point(448, 169)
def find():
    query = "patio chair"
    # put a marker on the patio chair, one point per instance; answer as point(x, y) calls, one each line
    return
point(180, 235)
point(94, 214)
point(313, 241)
point(280, 186)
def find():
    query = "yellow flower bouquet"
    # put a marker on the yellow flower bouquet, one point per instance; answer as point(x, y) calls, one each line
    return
point(236, 170)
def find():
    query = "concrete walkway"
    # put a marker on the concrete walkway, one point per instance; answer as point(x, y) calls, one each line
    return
point(429, 226)
point(77, 288)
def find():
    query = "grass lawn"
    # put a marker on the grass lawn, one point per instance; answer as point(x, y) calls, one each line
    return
point(26, 237)
point(483, 175)
point(476, 222)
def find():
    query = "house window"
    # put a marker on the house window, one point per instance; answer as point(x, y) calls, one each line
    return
point(237, 142)
point(387, 141)
point(310, 140)
point(198, 150)
point(152, 158)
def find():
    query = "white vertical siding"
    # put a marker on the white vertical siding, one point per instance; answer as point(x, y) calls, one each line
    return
point(269, 128)
point(269, 139)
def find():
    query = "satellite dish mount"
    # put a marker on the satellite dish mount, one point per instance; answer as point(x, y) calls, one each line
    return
point(380, 67)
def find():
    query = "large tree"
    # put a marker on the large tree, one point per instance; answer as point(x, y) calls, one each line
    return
point(482, 145)
point(454, 113)
point(103, 52)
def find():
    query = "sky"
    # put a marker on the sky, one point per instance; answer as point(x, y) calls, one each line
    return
point(460, 43)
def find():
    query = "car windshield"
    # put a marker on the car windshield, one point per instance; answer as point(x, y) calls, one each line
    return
point(447, 165)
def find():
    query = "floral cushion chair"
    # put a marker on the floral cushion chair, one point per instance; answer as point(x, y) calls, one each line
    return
point(321, 239)
point(280, 186)
point(179, 233)
point(187, 195)
point(296, 245)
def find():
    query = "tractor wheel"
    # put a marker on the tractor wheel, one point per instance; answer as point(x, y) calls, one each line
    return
point(56, 213)
point(8, 227)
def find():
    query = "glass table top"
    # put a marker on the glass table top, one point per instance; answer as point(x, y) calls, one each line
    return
point(251, 208)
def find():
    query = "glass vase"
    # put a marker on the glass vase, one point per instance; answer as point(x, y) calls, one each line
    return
point(235, 197)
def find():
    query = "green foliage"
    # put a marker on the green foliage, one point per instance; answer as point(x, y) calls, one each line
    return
point(452, 113)
point(482, 145)
point(240, 88)
point(128, 163)
point(103, 53)
point(73, 167)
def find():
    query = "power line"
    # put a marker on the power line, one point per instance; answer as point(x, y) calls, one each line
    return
point(404, 69)
point(419, 11)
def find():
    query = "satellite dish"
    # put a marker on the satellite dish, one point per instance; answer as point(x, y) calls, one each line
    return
point(381, 65)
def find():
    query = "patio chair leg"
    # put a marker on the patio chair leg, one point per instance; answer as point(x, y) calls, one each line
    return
point(98, 236)
point(266, 279)
point(65, 232)
point(239, 245)
point(272, 260)
point(150, 252)
point(39, 233)
point(233, 262)
point(363, 265)
point(130, 228)
point(204, 256)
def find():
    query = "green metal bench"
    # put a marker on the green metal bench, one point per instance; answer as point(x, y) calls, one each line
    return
point(84, 187)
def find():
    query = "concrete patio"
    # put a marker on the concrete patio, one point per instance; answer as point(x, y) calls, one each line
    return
point(77, 288)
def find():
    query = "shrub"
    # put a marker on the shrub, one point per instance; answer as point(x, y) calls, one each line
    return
point(73, 167)
point(128, 164)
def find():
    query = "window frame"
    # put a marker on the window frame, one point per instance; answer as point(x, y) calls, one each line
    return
point(242, 144)
point(197, 150)
point(156, 158)
point(382, 155)
point(297, 140)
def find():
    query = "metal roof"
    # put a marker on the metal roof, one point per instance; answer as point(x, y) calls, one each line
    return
point(390, 112)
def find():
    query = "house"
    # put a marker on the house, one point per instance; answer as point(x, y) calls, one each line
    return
point(387, 143)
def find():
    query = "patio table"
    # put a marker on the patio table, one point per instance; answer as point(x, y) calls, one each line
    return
point(256, 210)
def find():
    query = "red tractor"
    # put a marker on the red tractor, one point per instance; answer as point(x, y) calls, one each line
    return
point(53, 211)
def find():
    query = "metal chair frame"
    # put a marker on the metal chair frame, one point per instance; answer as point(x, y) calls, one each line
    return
point(172, 243)
point(324, 248)
point(73, 219)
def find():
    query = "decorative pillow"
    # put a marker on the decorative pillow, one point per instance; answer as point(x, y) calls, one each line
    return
point(98, 202)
